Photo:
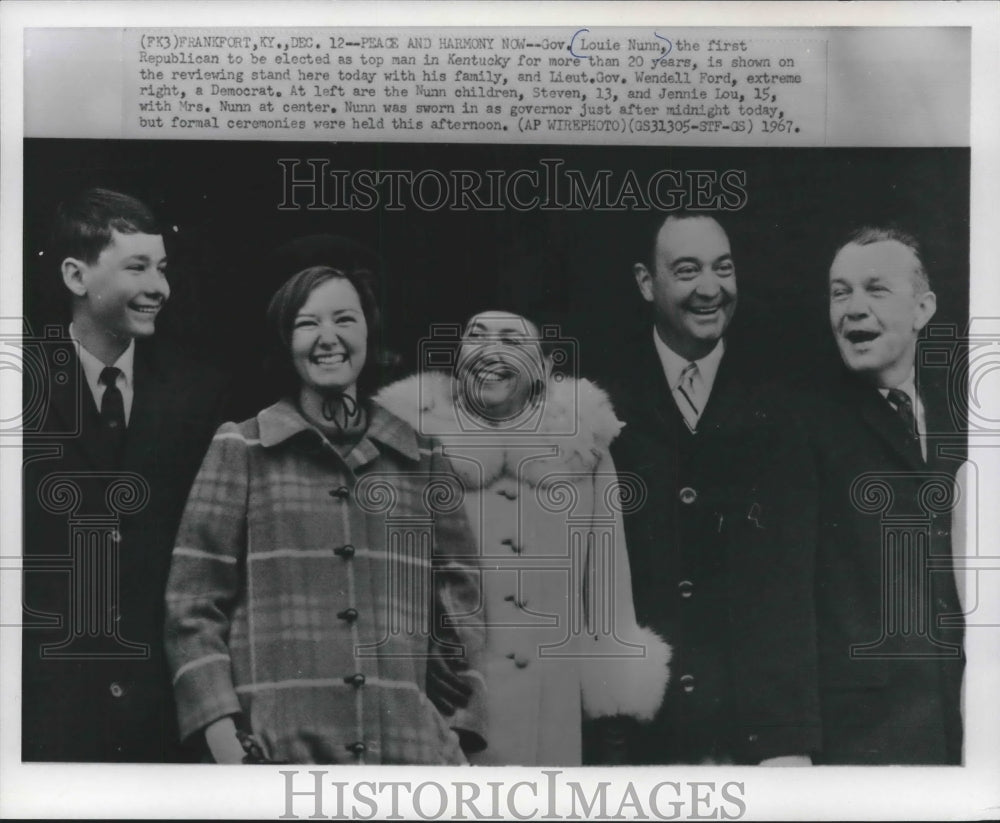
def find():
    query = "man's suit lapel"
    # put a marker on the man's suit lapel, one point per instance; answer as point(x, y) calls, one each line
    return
point(879, 417)
point(650, 401)
point(72, 409)
point(152, 400)
point(727, 403)
point(946, 444)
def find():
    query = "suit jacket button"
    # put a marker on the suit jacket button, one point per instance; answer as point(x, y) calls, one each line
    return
point(687, 683)
point(350, 615)
point(688, 495)
point(117, 690)
point(686, 588)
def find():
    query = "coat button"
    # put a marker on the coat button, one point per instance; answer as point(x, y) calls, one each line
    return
point(509, 543)
point(350, 615)
point(356, 680)
point(347, 551)
point(520, 660)
point(341, 492)
point(357, 749)
point(687, 683)
point(117, 690)
point(688, 495)
point(686, 588)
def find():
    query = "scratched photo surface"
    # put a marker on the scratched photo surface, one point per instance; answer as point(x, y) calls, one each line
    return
point(552, 232)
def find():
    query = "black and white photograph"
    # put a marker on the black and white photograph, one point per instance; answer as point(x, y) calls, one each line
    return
point(605, 467)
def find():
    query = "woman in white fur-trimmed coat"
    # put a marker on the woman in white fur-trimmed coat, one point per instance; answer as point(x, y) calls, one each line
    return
point(543, 496)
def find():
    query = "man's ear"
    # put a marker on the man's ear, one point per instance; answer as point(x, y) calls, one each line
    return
point(926, 306)
point(72, 275)
point(644, 280)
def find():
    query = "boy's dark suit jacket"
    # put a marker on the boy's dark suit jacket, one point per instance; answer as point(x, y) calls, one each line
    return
point(876, 492)
point(106, 695)
point(721, 556)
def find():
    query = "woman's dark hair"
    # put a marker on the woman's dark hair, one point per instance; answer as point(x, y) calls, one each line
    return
point(285, 306)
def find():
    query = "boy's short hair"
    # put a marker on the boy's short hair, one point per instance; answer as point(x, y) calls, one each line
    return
point(84, 223)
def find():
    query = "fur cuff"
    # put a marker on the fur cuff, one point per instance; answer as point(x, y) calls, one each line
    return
point(627, 685)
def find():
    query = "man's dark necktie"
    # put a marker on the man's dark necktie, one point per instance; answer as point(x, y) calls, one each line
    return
point(903, 406)
point(113, 412)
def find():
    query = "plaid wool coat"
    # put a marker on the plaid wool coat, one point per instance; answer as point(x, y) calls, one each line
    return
point(306, 590)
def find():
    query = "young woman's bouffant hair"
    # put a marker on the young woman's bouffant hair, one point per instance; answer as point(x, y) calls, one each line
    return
point(285, 306)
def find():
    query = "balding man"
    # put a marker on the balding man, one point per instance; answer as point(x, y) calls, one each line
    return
point(886, 452)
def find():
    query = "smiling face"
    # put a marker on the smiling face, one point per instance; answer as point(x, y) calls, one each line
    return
point(878, 305)
point(693, 287)
point(119, 295)
point(499, 364)
point(329, 340)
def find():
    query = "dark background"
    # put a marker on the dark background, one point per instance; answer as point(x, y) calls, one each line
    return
point(440, 267)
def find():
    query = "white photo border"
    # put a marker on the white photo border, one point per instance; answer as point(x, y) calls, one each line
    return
point(94, 790)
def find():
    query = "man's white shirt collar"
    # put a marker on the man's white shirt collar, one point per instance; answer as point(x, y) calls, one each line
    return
point(673, 364)
point(92, 368)
point(908, 386)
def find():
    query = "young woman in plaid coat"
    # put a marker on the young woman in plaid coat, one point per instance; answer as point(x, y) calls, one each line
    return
point(324, 555)
point(545, 501)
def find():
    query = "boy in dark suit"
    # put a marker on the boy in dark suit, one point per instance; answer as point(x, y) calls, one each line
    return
point(125, 421)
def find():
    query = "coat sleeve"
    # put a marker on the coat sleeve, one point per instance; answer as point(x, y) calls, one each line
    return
point(206, 574)
point(625, 667)
point(459, 625)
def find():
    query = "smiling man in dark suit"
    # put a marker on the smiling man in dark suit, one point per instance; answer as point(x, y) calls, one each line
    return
point(125, 424)
point(721, 548)
point(886, 451)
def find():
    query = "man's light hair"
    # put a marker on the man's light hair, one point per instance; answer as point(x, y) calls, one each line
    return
point(867, 235)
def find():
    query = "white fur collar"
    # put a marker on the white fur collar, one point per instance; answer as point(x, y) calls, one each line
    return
point(577, 419)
